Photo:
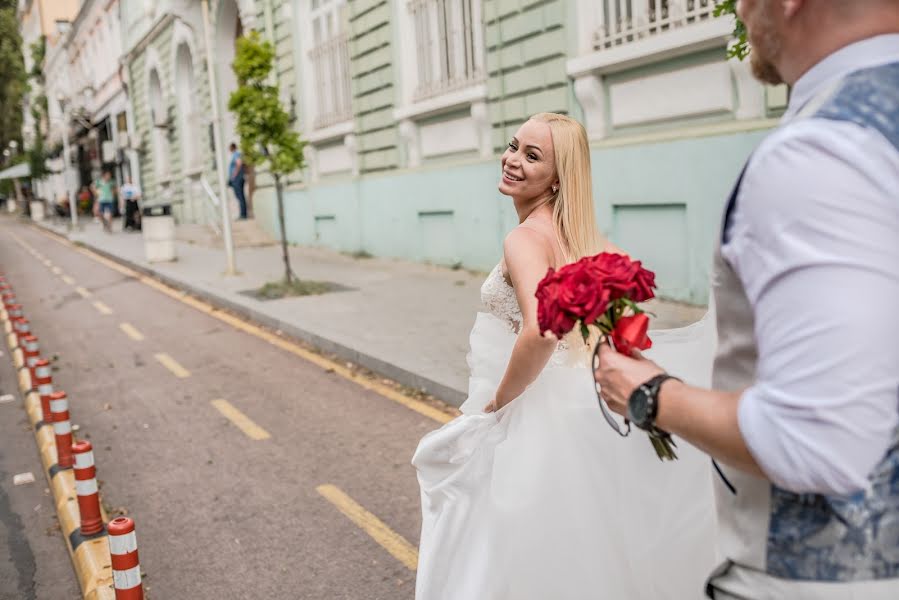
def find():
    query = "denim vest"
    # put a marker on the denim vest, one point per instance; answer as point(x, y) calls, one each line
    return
point(779, 544)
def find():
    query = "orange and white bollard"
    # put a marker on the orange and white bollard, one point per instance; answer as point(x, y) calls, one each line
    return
point(22, 327)
point(9, 298)
point(125, 563)
point(13, 312)
point(86, 488)
point(30, 355)
point(43, 383)
point(59, 408)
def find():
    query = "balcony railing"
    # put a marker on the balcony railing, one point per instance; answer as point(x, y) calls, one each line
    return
point(449, 45)
point(627, 21)
point(331, 65)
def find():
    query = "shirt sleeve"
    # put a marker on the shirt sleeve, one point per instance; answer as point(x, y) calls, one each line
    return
point(815, 241)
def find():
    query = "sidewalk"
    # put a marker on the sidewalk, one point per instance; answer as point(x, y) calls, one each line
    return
point(407, 321)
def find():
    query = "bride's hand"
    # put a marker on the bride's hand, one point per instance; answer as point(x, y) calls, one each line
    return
point(491, 406)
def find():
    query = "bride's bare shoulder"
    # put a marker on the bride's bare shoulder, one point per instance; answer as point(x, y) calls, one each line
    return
point(525, 245)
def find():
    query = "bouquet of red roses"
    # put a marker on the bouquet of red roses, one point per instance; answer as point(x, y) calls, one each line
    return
point(602, 291)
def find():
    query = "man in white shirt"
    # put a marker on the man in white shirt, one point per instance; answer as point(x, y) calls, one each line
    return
point(804, 421)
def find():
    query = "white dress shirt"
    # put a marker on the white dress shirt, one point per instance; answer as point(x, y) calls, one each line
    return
point(814, 238)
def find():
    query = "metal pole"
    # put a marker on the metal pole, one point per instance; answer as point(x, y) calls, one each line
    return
point(217, 140)
point(73, 200)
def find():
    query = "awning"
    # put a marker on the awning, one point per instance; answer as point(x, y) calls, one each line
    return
point(19, 171)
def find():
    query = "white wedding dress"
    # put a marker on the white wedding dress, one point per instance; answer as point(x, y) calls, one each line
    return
point(543, 501)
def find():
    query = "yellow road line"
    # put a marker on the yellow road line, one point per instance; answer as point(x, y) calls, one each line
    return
point(131, 332)
point(83, 292)
point(47, 263)
point(337, 368)
point(241, 421)
point(56, 271)
point(68, 280)
point(391, 541)
point(102, 308)
point(172, 365)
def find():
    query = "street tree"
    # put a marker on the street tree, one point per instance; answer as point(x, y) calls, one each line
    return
point(13, 78)
point(37, 154)
point(266, 135)
point(740, 47)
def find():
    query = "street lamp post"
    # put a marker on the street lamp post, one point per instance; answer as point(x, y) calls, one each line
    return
point(73, 201)
point(217, 140)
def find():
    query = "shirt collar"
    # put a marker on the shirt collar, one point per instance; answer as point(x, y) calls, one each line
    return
point(878, 50)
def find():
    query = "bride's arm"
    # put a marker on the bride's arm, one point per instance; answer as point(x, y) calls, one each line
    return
point(527, 259)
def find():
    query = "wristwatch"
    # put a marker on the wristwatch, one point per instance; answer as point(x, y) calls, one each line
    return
point(643, 405)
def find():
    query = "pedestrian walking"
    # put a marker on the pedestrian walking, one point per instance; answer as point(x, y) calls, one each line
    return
point(104, 192)
point(131, 194)
point(237, 178)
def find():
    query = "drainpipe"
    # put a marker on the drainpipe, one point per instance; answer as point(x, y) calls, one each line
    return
point(217, 137)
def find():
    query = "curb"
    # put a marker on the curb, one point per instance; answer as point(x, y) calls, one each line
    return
point(398, 374)
point(90, 555)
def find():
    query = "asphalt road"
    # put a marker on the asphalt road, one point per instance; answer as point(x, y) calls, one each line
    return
point(221, 511)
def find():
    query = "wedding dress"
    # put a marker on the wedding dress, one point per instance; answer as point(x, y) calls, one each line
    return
point(542, 500)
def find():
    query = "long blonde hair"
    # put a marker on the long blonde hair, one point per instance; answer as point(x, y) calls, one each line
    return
point(573, 213)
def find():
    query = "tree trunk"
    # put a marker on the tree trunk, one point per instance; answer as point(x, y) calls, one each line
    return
point(288, 274)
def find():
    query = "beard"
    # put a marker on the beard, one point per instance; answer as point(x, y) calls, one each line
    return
point(766, 46)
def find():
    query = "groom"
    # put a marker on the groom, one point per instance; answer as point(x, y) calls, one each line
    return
point(803, 422)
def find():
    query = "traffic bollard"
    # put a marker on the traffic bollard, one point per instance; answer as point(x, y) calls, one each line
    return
point(125, 563)
point(59, 407)
point(86, 488)
point(43, 382)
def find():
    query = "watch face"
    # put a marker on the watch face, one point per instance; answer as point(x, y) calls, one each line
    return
point(638, 407)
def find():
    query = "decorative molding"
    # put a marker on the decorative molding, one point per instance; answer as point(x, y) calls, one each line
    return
point(325, 134)
point(588, 90)
point(441, 104)
point(352, 146)
point(482, 128)
point(310, 153)
point(692, 91)
point(408, 131)
point(671, 44)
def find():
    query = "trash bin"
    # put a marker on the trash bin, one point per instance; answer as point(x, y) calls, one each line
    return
point(158, 226)
point(37, 210)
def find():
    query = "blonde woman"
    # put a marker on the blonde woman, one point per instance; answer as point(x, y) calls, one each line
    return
point(517, 493)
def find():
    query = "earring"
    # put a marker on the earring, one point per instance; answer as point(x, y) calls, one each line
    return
point(555, 189)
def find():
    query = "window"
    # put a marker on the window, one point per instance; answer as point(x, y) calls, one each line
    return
point(625, 21)
point(449, 42)
point(330, 61)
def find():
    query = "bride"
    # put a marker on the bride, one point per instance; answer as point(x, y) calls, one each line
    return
point(517, 492)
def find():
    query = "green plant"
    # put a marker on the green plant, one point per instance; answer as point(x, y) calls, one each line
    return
point(266, 135)
point(13, 77)
point(740, 48)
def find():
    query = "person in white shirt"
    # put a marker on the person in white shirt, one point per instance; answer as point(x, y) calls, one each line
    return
point(804, 421)
point(131, 196)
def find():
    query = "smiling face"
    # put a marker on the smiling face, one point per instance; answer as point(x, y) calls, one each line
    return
point(529, 163)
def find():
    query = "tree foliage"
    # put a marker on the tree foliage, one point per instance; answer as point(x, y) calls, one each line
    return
point(13, 78)
point(264, 126)
point(740, 47)
point(266, 134)
point(37, 153)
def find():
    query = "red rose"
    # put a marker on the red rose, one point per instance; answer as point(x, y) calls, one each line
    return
point(630, 334)
point(582, 294)
point(550, 316)
point(617, 273)
point(644, 282)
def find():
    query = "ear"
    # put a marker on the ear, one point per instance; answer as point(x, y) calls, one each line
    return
point(791, 7)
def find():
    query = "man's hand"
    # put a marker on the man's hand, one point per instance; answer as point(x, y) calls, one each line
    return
point(619, 375)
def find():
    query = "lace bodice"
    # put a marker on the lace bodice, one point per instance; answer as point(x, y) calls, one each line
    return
point(499, 298)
